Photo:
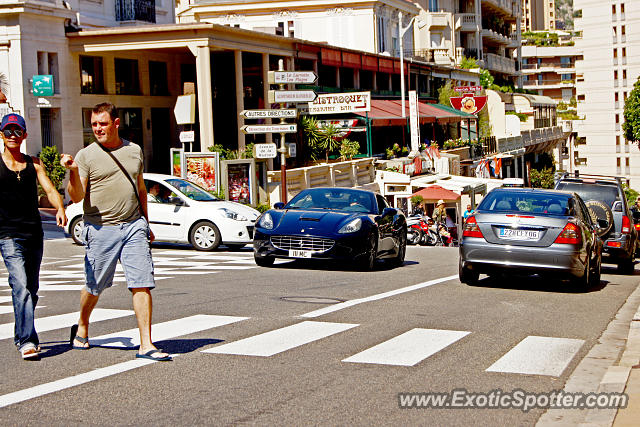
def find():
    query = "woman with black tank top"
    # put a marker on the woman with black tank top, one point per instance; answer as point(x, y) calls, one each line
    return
point(21, 236)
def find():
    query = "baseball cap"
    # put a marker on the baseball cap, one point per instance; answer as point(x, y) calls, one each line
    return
point(13, 119)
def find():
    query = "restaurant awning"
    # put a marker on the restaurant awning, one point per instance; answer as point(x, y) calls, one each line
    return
point(433, 193)
point(385, 112)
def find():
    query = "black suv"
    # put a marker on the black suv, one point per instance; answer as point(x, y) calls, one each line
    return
point(608, 205)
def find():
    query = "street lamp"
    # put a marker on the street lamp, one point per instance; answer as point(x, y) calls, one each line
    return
point(401, 32)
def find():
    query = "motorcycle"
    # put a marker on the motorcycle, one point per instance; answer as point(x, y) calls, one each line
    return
point(417, 227)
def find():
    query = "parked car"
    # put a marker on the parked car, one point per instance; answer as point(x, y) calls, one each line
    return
point(182, 212)
point(605, 198)
point(332, 224)
point(531, 231)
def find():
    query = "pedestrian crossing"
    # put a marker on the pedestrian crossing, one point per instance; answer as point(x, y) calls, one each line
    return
point(533, 355)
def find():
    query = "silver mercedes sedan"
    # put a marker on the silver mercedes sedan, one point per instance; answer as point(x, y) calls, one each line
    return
point(531, 231)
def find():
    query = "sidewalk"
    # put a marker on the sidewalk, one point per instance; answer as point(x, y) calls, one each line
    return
point(629, 366)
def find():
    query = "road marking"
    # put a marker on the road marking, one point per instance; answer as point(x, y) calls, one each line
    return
point(61, 321)
point(165, 330)
point(409, 348)
point(279, 340)
point(6, 299)
point(351, 303)
point(6, 309)
point(538, 356)
point(161, 331)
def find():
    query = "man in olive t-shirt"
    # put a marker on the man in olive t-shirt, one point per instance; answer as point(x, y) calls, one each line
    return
point(116, 226)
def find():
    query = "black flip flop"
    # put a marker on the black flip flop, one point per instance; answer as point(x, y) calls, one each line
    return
point(149, 355)
point(73, 336)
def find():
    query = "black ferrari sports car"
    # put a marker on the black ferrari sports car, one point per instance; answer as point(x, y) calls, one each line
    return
point(341, 224)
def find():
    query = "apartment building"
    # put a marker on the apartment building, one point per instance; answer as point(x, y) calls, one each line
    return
point(550, 71)
point(538, 15)
point(487, 30)
point(610, 45)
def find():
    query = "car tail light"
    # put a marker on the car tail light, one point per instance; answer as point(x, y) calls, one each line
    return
point(637, 226)
point(613, 244)
point(570, 234)
point(626, 225)
point(471, 228)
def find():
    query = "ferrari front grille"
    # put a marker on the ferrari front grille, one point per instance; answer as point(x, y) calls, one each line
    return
point(302, 243)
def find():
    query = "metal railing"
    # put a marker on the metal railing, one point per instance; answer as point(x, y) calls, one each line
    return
point(136, 10)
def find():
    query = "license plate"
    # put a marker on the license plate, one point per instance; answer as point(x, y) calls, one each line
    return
point(299, 254)
point(515, 234)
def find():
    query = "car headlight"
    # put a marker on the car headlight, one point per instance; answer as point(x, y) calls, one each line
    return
point(228, 213)
point(351, 227)
point(266, 221)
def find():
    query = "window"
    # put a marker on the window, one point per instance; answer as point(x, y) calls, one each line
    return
point(615, 74)
point(618, 162)
point(87, 132)
point(280, 29)
point(539, 78)
point(624, 52)
point(617, 118)
point(433, 5)
point(581, 97)
point(91, 74)
point(616, 96)
point(381, 35)
point(617, 139)
point(158, 78)
point(565, 62)
point(291, 29)
point(48, 65)
point(623, 30)
point(127, 80)
point(565, 77)
point(615, 52)
point(613, 9)
point(622, 11)
point(624, 74)
point(626, 162)
point(625, 96)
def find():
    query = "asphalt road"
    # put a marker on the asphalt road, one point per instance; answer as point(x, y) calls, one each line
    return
point(316, 367)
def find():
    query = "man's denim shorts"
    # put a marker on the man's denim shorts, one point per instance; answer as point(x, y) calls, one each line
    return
point(106, 244)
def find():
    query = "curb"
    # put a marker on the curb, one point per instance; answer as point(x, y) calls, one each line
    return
point(606, 368)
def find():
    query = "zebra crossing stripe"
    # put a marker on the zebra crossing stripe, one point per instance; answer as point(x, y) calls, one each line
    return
point(5, 299)
point(6, 309)
point(283, 339)
point(165, 330)
point(61, 321)
point(351, 303)
point(538, 356)
point(161, 331)
point(409, 348)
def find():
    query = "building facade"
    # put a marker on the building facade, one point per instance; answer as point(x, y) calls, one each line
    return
point(550, 71)
point(610, 45)
point(538, 15)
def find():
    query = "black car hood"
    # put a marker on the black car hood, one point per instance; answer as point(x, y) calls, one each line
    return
point(313, 221)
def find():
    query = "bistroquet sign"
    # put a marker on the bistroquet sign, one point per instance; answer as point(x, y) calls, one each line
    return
point(336, 103)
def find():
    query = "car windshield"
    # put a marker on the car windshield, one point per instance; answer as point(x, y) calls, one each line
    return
point(340, 199)
point(191, 190)
point(604, 193)
point(527, 203)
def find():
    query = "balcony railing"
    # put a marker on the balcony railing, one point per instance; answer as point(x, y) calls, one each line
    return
point(437, 19)
point(136, 10)
point(466, 22)
point(499, 63)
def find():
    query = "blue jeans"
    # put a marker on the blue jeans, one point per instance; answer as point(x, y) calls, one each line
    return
point(22, 258)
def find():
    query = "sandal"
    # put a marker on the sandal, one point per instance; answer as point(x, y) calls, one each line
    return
point(73, 337)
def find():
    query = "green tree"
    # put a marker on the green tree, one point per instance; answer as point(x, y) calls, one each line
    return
point(631, 125)
point(630, 194)
point(445, 93)
point(50, 159)
point(541, 178)
point(312, 133)
point(329, 140)
point(486, 79)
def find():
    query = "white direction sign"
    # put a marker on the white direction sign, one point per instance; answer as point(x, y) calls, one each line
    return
point(413, 121)
point(276, 96)
point(279, 77)
point(269, 114)
point(286, 128)
point(265, 151)
point(187, 136)
point(333, 103)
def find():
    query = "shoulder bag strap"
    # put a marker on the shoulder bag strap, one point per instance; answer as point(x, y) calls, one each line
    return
point(124, 171)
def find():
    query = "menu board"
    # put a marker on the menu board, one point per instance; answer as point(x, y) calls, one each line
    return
point(177, 160)
point(239, 182)
point(202, 169)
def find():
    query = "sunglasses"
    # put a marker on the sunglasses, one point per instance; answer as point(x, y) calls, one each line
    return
point(17, 132)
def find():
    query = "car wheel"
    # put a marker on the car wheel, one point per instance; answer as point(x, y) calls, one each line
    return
point(581, 284)
point(205, 236)
point(368, 260)
point(398, 260)
point(596, 274)
point(235, 246)
point(76, 227)
point(264, 261)
point(467, 276)
point(414, 236)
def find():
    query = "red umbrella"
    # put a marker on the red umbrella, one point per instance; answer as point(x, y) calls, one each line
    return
point(433, 193)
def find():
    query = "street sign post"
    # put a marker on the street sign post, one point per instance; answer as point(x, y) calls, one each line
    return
point(284, 77)
point(269, 114)
point(282, 96)
point(187, 136)
point(265, 151)
point(279, 128)
point(413, 122)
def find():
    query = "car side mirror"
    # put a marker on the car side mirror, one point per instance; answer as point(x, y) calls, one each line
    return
point(278, 205)
point(389, 212)
point(177, 201)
